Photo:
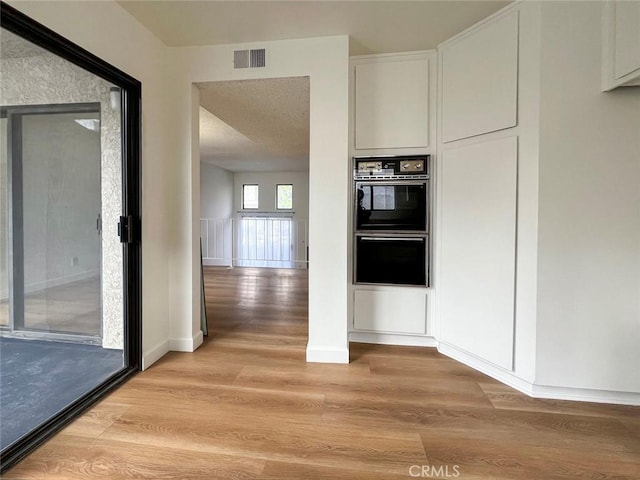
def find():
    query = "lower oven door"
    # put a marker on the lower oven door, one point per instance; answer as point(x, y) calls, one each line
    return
point(391, 260)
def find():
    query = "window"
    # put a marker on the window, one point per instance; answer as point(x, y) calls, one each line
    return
point(250, 197)
point(284, 197)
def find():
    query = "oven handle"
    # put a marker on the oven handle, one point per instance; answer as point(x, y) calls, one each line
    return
point(402, 239)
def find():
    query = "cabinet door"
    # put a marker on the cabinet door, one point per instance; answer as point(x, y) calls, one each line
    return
point(390, 312)
point(392, 103)
point(478, 238)
point(627, 38)
point(480, 80)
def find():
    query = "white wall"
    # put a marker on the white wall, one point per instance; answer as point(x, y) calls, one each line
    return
point(325, 61)
point(216, 202)
point(106, 30)
point(216, 191)
point(267, 190)
point(589, 225)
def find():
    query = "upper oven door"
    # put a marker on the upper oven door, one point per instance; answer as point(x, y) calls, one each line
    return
point(392, 205)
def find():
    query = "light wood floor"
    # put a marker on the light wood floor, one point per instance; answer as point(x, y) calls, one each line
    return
point(246, 405)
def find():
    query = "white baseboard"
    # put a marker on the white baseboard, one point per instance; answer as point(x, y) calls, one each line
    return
point(485, 367)
point(327, 355)
point(54, 282)
point(153, 355)
point(539, 391)
point(392, 339)
point(186, 344)
point(586, 395)
point(211, 262)
point(59, 281)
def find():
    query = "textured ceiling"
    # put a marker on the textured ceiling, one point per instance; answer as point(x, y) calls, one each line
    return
point(374, 26)
point(255, 125)
point(12, 46)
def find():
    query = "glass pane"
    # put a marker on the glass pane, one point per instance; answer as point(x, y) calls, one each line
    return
point(384, 198)
point(250, 196)
point(284, 197)
point(61, 207)
point(61, 290)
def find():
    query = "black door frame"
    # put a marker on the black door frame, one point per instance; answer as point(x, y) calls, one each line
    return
point(16, 22)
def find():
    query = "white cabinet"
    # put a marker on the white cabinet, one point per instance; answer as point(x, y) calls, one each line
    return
point(395, 311)
point(621, 44)
point(480, 80)
point(391, 101)
point(478, 235)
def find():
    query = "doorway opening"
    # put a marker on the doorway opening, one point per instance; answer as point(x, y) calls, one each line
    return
point(254, 205)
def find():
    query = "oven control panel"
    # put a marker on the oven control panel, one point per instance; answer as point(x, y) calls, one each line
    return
point(407, 166)
point(391, 167)
point(364, 166)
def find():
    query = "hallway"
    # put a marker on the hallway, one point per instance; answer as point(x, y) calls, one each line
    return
point(246, 405)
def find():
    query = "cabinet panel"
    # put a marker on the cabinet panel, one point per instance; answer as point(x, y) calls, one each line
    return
point(478, 225)
point(391, 104)
point(390, 311)
point(627, 38)
point(480, 80)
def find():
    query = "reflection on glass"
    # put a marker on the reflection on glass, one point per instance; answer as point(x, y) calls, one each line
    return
point(61, 285)
point(4, 227)
point(61, 208)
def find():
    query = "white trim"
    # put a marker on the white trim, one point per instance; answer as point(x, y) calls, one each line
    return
point(539, 391)
point(586, 395)
point(154, 354)
point(327, 355)
point(214, 262)
point(392, 57)
point(186, 344)
point(393, 339)
point(485, 367)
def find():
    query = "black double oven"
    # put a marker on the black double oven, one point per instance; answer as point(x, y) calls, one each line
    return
point(391, 220)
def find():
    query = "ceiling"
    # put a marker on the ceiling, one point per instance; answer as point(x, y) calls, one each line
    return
point(263, 125)
point(374, 26)
point(255, 125)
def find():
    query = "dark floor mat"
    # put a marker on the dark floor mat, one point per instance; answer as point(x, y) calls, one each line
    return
point(39, 378)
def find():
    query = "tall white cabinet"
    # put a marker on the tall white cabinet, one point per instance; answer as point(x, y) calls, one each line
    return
point(477, 188)
point(392, 113)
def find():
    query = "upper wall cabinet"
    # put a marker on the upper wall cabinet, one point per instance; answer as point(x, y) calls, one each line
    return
point(621, 44)
point(480, 80)
point(391, 101)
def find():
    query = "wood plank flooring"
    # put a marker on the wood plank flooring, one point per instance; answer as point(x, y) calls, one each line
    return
point(247, 406)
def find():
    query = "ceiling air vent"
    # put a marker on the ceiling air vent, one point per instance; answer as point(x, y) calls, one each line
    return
point(249, 58)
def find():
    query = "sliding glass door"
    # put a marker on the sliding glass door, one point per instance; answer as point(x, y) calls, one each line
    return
point(69, 240)
point(56, 211)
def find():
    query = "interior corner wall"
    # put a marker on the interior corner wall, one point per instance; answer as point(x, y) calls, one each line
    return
point(216, 191)
point(216, 212)
point(588, 330)
point(108, 31)
point(325, 60)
